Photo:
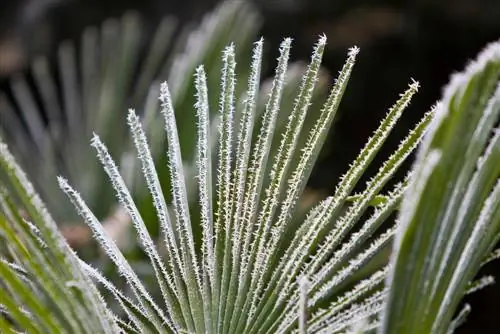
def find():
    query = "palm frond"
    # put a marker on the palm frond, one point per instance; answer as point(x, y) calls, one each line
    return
point(244, 249)
point(257, 266)
point(456, 183)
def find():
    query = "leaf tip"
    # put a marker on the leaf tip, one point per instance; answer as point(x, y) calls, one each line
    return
point(353, 51)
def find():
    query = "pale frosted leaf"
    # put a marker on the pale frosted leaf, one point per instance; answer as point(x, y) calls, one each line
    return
point(181, 209)
point(151, 309)
point(258, 162)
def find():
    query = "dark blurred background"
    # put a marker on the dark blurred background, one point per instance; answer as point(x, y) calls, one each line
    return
point(422, 39)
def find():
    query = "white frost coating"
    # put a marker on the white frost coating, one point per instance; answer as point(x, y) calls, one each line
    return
point(226, 111)
point(356, 239)
point(353, 51)
point(125, 303)
point(374, 143)
point(204, 165)
point(239, 213)
point(459, 319)
point(494, 255)
point(280, 167)
point(350, 269)
point(343, 226)
point(244, 144)
point(334, 97)
point(284, 155)
point(311, 149)
point(179, 192)
point(385, 172)
point(225, 199)
point(359, 327)
point(255, 174)
point(323, 285)
point(259, 158)
point(114, 254)
point(339, 321)
point(297, 253)
point(239, 179)
point(36, 232)
point(480, 284)
point(364, 287)
point(127, 202)
point(204, 176)
point(15, 267)
point(358, 312)
point(160, 205)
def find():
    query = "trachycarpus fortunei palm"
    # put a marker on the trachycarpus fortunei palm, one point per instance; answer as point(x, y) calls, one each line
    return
point(255, 268)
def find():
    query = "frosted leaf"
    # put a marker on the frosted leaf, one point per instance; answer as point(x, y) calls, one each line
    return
point(116, 256)
point(181, 209)
point(204, 165)
point(257, 165)
point(304, 288)
point(131, 309)
point(284, 155)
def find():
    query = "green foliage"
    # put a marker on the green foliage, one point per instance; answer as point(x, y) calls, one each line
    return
point(456, 184)
point(240, 258)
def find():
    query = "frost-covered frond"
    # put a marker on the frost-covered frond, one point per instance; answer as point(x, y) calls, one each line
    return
point(204, 170)
point(135, 313)
point(253, 187)
point(322, 124)
point(314, 232)
point(181, 209)
point(239, 179)
point(241, 258)
point(225, 201)
point(154, 313)
point(361, 290)
point(458, 165)
point(320, 237)
point(284, 155)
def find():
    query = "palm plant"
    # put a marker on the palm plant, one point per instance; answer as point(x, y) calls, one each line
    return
point(254, 267)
